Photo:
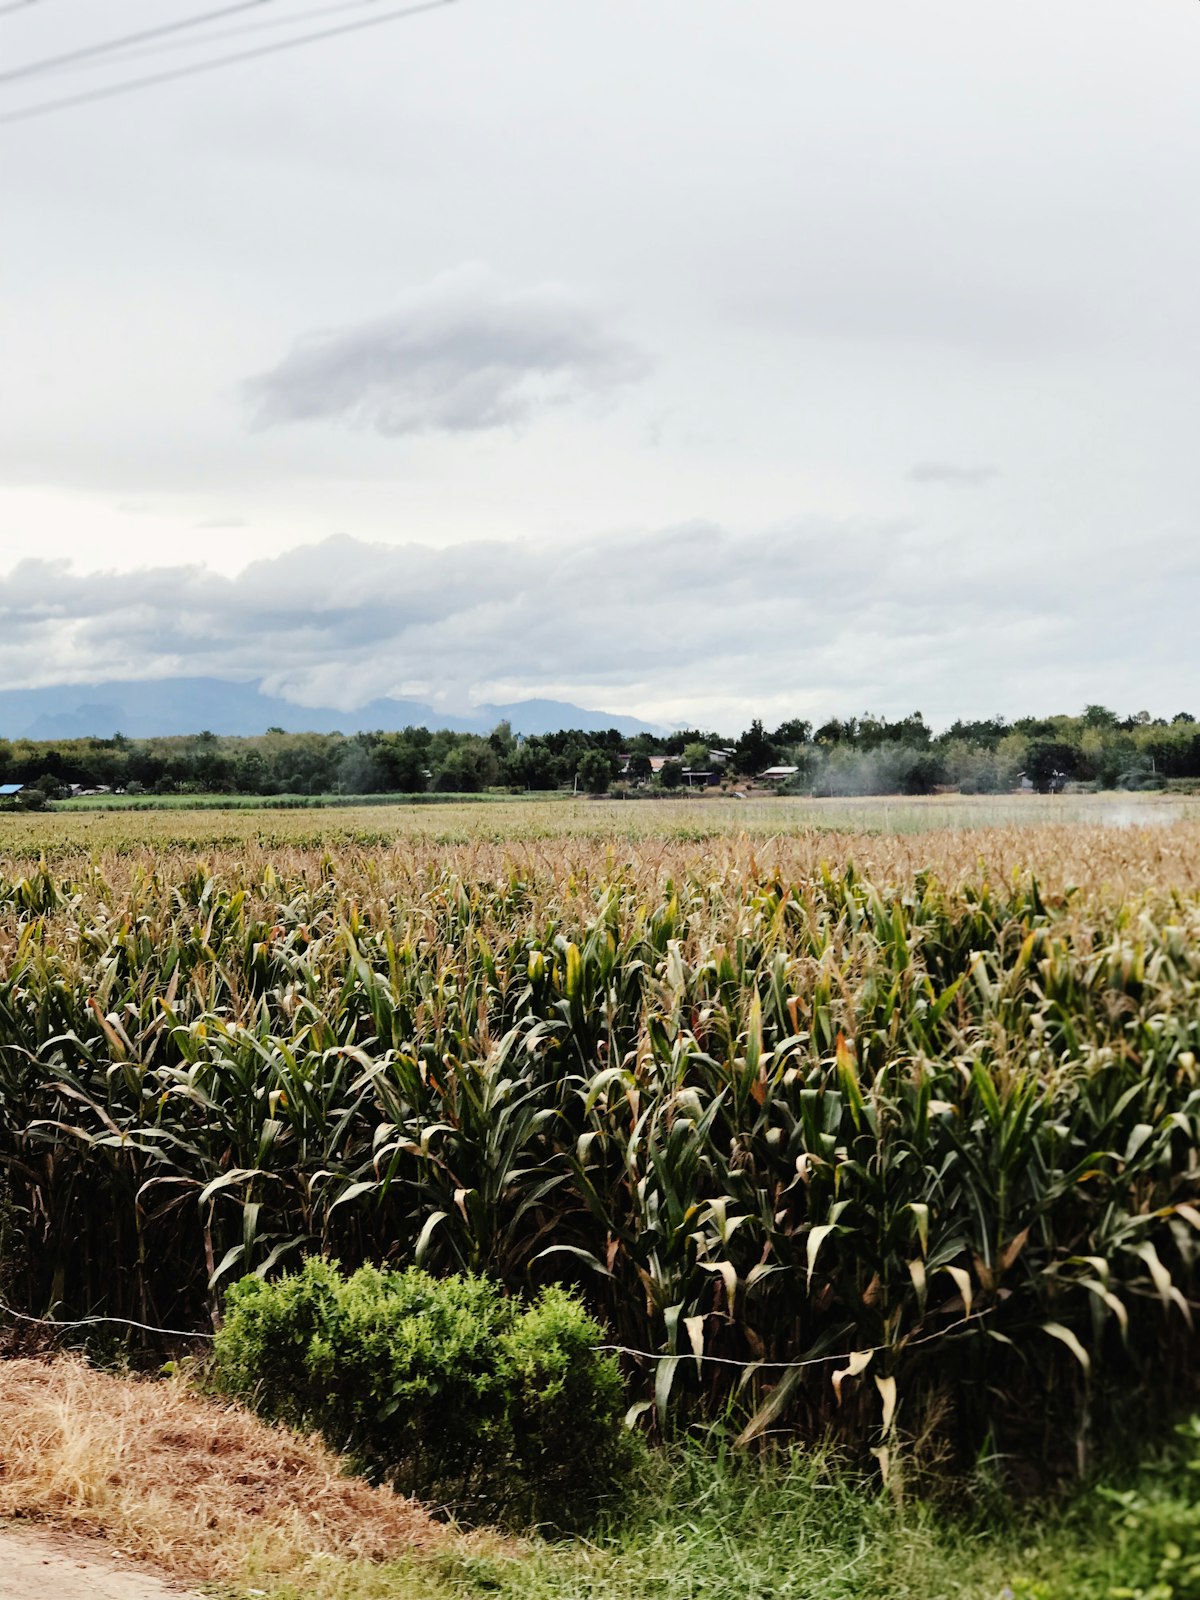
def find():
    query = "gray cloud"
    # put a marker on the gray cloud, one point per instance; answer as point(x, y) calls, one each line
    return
point(463, 355)
point(854, 238)
point(689, 621)
point(952, 476)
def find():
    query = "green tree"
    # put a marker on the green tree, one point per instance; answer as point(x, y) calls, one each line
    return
point(503, 741)
point(754, 750)
point(533, 765)
point(356, 771)
point(1048, 765)
point(670, 774)
point(400, 764)
point(594, 771)
point(1097, 716)
point(836, 731)
point(467, 767)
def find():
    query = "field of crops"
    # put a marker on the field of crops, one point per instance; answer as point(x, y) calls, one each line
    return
point(918, 1109)
point(109, 821)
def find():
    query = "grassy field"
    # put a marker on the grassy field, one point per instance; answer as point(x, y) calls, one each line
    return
point(903, 1091)
point(890, 814)
point(188, 822)
point(254, 802)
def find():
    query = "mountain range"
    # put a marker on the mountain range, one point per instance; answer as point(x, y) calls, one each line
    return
point(144, 710)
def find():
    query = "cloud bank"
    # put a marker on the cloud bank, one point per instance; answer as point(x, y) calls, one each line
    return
point(685, 622)
point(463, 355)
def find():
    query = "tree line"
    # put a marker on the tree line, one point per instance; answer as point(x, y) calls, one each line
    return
point(855, 755)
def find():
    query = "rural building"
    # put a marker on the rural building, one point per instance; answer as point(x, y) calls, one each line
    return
point(775, 775)
point(709, 776)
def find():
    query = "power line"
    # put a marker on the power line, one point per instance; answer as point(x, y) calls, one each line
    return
point(215, 36)
point(87, 51)
point(88, 1322)
point(130, 85)
point(597, 1349)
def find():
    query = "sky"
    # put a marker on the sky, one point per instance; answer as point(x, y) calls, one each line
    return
point(690, 359)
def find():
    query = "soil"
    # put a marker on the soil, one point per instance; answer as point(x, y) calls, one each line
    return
point(38, 1565)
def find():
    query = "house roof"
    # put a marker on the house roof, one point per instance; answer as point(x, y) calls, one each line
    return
point(780, 772)
point(11, 788)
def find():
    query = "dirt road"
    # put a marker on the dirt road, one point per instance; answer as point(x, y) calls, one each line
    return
point(39, 1565)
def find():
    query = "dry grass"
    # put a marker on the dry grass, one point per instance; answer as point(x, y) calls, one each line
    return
point(200, 1488)
point(1102, 845)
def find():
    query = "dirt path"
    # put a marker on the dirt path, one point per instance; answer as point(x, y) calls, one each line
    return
point(49, 1566)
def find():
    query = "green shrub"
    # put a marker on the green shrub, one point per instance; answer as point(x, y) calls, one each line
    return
point(487, 1406)
point(1138, 1539)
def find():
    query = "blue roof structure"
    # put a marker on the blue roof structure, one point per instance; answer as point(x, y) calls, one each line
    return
point(11, 788)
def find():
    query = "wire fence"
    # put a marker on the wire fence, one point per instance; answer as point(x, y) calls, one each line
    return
point(756, 1364)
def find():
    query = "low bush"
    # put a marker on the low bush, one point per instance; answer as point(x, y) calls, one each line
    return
point(487, 1406)
point(1134, 1535)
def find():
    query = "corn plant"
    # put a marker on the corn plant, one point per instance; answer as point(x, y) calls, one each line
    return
point(921, 1120)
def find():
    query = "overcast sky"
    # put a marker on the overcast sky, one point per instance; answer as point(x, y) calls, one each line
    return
point(695, 359)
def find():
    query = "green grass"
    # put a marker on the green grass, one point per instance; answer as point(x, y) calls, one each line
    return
point(266, 802)
point(709, 1526)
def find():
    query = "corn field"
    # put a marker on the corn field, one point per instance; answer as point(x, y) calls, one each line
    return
point(923, 1113)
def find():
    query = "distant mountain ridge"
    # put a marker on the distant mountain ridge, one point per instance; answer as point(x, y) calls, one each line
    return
point(165, 706)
